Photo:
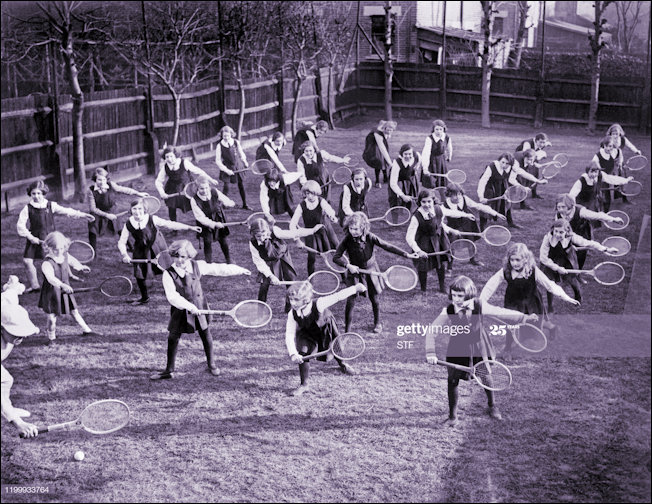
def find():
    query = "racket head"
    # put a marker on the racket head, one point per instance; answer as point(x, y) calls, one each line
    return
point(261, 166)
point(342, 175)
point(252, 313)
point(492, 375)
point(190, 190)
point(496, 235)
point(397, 216)
point(324, 282)
point(255, 216)
point(551, 170)
point(463, 249)
point(561, 158)
point(529, 337)
point(152, 204)
point(621, 243)
point(636, 163)
point(164, 260)
point(401, 278)
point(618, 214)
point(608, 273)
point(456, 176)
point(632, 188)
point(516, 194)
point(328, 259)
point(116, 286)
point(354, 160)
point(348, 346)
point(81, 251)
point(104, 417)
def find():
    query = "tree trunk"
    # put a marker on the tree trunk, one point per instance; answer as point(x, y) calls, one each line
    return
point(595, 90)
point(295, 105)
point(241, 90)
point(330, 96)
point(177, 117)
point(486, 89)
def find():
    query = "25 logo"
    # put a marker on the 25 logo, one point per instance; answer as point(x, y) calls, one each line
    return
point(498, 330)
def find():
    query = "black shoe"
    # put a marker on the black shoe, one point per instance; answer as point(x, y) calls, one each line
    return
point(525, 206)
point(140, 301)
point(163, 375)
point(214, 370)
point(536, 196)
point(247, 207)
point(92, 333)
point(512, 225)
point(347, 369)
point(477, 262)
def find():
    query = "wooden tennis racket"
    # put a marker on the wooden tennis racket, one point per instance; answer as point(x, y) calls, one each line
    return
point(495, 235)
point(605, 273)
point(323, 282)
point(113, 287)
point(326, 256)
point(489, 374)
point(618, 214)
point(151, 203)
point(346, 346)
point(340, 176)
point(81, 251)
point(514, 194)
point(163, 260)
point(636, 163)
point(454, 176)
point(250, 313)
point(395, 216)
point(461, 250)
point(399, 278)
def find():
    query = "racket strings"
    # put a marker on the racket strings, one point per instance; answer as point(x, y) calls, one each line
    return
point(457, 176)
point(324, 282)
point(516, 194)
point(118, 286)
point(636, 163)
point(253, 314)
point(81, 251)
point(632, 188)
point(348, 346)
point(261, 166)
point(342, 175)
point(401, 278)
point(561, 158)
point(529, 338)
point(609, 273)
point(463, 250)
point(497, 235)
point(492, 375)
point(398, 216)
point(622, 244)
point(105, 416)
point(152, 204)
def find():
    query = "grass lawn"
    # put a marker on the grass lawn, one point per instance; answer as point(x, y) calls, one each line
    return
point(577, 417)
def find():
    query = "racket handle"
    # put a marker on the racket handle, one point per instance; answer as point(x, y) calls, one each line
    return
point(455, 366)
point(573, 271)
point(469, 233)
point(371, 272)
point(39, 430)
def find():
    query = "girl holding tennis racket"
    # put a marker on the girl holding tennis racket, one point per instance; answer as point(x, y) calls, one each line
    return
point(403, 179)
point(610, 159)
point(183, 290)
point(456, 199)
point(588, 189)
point(35, 222)
point(376, 149)
point(311, 327)
point(101, 200)
point(307, 134)
point(437, 151)
point(270, 149)
point(619, 139)
point(271, 256)
point(141, 235)
point(359, 244)
point(558, 254)
point(275, 194)
point(207, 208)
point(497, 177)
point(172, 177)
point(538, 144)
point(315, 210)
point(230, 158)
point(310, 166)
point(56, 293)
point(16, 326)
point(527, 160)
point(523, 280)
point(428, 233)
point(466, 348)
point(581, 220)
point(354, 195)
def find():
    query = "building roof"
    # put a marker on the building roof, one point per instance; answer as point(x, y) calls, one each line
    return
point(453, 32)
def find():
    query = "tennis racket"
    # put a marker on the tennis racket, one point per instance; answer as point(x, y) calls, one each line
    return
point(340, 176)
point(163, 260)
point(346, 346)
point(495, 235)
point(605, 273)
point(617, 214)
point(551, 170)
point(151, 203)
point(454, 176)
point(618, 242)
point(354, 160)
point(561, 159)
point(395, 216)
point(323, 282)
point(527, 336)
point(100, 417)
point(632, 188)
point(327, 256)
point(397, 277)
point(636, 163)
point(249, 313)
point(190, 190)
point(514, 194)
point(254, 217)
point(261, 166)
point(81, 251)
point(489, 374)
point(462, 250)
point(113, 287)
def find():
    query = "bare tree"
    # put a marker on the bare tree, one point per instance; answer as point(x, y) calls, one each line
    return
point(628, 14)
point(487, 57)
point(523, 8)
point(597, 42)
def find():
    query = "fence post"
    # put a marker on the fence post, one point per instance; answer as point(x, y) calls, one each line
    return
point(442, 70)
point(541, 88)
point(55, 152)
point(280, 93)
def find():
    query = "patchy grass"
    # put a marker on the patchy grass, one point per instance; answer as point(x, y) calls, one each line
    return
point(577, 419)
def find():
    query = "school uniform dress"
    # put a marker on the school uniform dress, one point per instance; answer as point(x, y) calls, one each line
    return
point(496, 186)
point(436, 162)
point(609, 166)
point(230, 156)
point(325, 239)
point(314, 169)
point(53, 299)
point(261, 151)
point(372, 155)
point(522, 294)
point(430, 237)
point(276, 255)
point(104, 201)
point(464, 348)
point(592, 196)
point(315, 331)
point(461, 223)
point(40, 222)
point(280, 199)
point(212, 209)
point(303, 135)
point(530, 168)
point(145, 242)
point(357, 200)
point(177, 180)
point(582, 227)
point(407, 182)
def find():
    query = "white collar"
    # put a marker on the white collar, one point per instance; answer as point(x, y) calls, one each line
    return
point(227, 144)
point(305, 311)
point(56, 259)
point(564, 241)
point(468, 305)
point(308, 204)
point(141, 224)
point(424, 214)
point(459, 204)
point(43, 204)
point(183, 271)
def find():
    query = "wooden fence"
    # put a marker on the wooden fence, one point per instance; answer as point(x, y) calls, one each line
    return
point(37, 130)
point(514, 96)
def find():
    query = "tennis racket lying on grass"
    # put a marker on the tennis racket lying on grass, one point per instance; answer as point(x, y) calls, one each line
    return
point(327, 256)
point(323, 282)
point(151, 203)
point(489, 374)
point(462, 250)
point(636, 163)
point(399, 278)
point(100, 417)
point(527, 336)
point(618, 214)
point(454, 176)
point(395, 216)
point(163, 260)
point(495, 235)
point(113, 287)
point(605, 273)
point(340, 176)
point(346, 346)
point(514, 194)
point(560, 159)
point(250, 313)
